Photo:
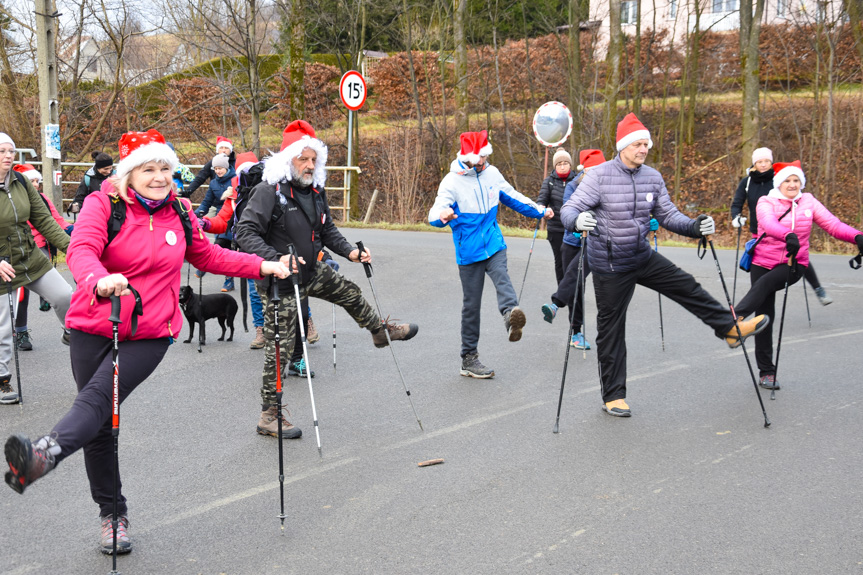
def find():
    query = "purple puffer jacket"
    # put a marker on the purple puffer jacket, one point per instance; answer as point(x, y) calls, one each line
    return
point(805, 209)
point(623, 200)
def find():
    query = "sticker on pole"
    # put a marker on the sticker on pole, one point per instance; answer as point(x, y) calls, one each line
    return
point(552, 124)
point(352, 90)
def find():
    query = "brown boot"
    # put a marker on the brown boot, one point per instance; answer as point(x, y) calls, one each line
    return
point(398, 331)
point(259, 342)
point(269, 425)
point(747, 327)
point(312, 336)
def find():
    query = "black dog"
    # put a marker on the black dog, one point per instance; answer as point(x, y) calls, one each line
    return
point(198, 309)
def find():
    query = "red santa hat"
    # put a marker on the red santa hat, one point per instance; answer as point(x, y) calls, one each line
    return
point(28, 170)
point(781, 172)
point(298, 136)
point(474, 145)
point(137, 148)
point(245, 161)
point(631, 129)
point(589, 159)
point(224, 142)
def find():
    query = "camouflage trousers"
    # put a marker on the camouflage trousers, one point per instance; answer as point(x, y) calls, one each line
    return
point(327, 285)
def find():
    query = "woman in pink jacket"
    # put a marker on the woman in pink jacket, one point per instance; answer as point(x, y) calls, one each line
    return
point(147, 253)
point(785, 217)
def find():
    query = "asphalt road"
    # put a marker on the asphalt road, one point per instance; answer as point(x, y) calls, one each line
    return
point(692, 483)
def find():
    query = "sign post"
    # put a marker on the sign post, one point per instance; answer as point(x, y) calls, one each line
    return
point(352, 91)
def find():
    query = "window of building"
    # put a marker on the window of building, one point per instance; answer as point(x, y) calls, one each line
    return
point(720, 6)
point(628, 12)
point(781, 7)
point(672, 9)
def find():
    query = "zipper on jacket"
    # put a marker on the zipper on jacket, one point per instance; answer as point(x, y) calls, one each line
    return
point(18, 233)
point(610, 256)
point(151, 222)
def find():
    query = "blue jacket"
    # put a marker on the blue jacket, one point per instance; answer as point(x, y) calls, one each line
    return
point(214, 196)
point(623, 200)
point(475, 198)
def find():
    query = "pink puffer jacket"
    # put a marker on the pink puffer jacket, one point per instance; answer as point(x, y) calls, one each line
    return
point(149, 252)
point(805, 209)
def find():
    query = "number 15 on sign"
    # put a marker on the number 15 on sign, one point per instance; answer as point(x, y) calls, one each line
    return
point(352, 90)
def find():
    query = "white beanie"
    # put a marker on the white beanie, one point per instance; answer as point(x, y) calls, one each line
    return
point(5, 139)
point(762, 154)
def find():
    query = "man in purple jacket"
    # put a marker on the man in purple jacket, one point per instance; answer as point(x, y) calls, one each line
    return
point(616, 199)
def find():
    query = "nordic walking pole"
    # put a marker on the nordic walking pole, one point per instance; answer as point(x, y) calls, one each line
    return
point(781, 325)
point(201, 311)
point(334, 337)
point(533, 241)
point(579, 279)
point(736, 260)
point(583, 288)
point(295, 280)
point(14, 339)
point(274, 282)
point(115, 420)
point(704, 240)
point(368, 269)
point(661, 323)
point(806, 297)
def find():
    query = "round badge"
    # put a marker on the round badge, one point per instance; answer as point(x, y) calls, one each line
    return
point(808, 213)
point(649, 197)
point(171, 237)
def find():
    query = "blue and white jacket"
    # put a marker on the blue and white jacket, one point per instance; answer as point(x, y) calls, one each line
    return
point(474, 197)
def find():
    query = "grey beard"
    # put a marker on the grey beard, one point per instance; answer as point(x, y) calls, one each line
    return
point(299, 179)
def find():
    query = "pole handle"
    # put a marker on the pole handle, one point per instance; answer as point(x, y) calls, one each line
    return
point(366, 266)
point(292, 252)
point(115, 309)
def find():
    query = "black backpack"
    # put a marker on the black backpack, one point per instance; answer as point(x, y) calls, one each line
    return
point(246, 181)
point(118, 216)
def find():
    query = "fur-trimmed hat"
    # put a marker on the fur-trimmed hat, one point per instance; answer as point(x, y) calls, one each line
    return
point(298, 136)
point(630, 129)
point(245, 161)
point(224, 142)
point(589, 159)
point(137, 148)
point(781, 172)
point(474, 145)
point(561, 155)
point(101, 160)
point(220, 161)
point(28, 170)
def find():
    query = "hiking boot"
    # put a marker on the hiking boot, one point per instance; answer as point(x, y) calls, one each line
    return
point(617, 408)
point(768, 382)
point(269, 425)
point(312, 335)
point(8, 396)
point(228, 285)
point(44, 305)
point(747, 327)
point(259, 342)
point(298, 368)
point(65, 337)
point(106, 543)
point(822, 296)
point(471, 367)
point(398, 331)
point(549, 310)
point(514, 320)
point(578, 342)
point(24, 343)
point(26, 462)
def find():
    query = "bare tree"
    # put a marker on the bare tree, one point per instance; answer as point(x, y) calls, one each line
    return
point(750, 35)
point(612, 74)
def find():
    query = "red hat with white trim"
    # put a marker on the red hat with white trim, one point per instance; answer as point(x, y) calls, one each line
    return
point(590, 158)
point(298, 136)
point(781, 172)
point(137, 148)
point(629, 130)
point(28, 171)
point(224, 142)
point(474, 145)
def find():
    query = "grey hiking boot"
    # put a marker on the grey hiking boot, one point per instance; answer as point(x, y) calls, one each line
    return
point(106, 541)
point(269, 425)
point(8, 396)
point(822, 296)
point(24, 343)
point(398, 331)
point(514, 320)
point(471, 367)
point(28, 462)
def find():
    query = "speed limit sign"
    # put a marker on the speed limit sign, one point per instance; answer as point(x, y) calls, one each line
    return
point(352, 90)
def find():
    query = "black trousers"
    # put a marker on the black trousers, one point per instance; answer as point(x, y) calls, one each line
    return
point(569, 288)
point(297, 354)
point(556, 239)
point(88, 422)
point(613, 294)
point(761, 299)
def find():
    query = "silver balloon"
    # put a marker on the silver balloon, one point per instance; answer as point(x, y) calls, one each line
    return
point(552, 124)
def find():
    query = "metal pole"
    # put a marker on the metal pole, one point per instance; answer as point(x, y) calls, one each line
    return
point(350, 161)
point(46, 64)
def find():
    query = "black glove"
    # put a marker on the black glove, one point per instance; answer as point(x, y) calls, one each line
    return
point(792, 244)
point(701, 227)
point(858, 239)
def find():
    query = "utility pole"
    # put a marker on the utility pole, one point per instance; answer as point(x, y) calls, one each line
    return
point(46, 63)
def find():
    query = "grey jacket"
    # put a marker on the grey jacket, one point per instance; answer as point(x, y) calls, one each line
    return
point(623, 200)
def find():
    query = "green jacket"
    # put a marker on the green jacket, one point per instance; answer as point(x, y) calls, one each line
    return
point(20, 203)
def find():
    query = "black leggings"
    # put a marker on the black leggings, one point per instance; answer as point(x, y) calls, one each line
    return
point(556, 240)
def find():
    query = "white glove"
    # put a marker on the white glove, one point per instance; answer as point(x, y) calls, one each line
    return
point(708, 227)
point(738, 221)
point(585, 222)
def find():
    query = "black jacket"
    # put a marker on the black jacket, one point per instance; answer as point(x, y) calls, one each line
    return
point(205, 174)
point(91, 182)
point(759, 184)
point(551, 196)
point(267, 228)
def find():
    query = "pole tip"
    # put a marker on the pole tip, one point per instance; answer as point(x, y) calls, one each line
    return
point(766, 422)
point(556, 428)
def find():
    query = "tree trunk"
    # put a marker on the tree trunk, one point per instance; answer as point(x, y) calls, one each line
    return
point(296, 65)
point(576, 92)
point(254, 77)
point(612, 75)
point(636, 68)
point(750, 33)
point(462, 118)
point(414, 89)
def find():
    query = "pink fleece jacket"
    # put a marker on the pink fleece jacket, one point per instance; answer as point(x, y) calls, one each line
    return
point(40, 239)
point(149, 252)
point(805, 209)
